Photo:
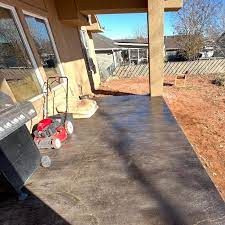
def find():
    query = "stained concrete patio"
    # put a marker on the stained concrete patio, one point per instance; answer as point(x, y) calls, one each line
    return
point(130, 164)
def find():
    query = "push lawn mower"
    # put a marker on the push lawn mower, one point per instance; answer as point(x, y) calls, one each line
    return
point(53, 130)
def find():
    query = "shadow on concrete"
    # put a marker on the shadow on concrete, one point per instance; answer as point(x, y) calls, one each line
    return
point(122, 144)
point(32, 211)
point(112, 93)
point(183, 165)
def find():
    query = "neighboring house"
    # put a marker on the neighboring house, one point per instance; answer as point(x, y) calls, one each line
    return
point(137, 49)
point(108, 54)
point(111, 53)
point(134, 51)
point(207, 52)
point(172, 49)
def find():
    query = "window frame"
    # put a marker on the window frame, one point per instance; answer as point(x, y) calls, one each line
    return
point(27, 47)
point(52, 40)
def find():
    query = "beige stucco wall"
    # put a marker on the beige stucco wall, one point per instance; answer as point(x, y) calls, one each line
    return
point(68, 44)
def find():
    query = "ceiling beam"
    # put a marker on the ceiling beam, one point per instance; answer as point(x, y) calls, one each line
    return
point(122, 6)
point(69, 13)
point(95, 26)
point(76, 11)
point(173, 5)
point(111, 6)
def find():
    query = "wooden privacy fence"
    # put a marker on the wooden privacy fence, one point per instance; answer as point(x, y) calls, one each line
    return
point(201, 67)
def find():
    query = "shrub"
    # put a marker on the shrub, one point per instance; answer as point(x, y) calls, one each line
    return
point(219, 80)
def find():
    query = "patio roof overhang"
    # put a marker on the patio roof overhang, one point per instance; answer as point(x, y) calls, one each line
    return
point(76, 12)
point(124, 6)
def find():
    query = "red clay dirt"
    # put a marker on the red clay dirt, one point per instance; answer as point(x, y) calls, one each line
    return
point(199, 109)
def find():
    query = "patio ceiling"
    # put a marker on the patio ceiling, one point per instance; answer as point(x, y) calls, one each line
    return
point(124, 6)
point(75, 12)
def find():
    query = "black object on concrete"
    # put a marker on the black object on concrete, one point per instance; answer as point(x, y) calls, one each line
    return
point(19, 156)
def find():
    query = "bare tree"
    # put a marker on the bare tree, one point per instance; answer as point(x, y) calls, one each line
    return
point(198, 25)
point(140, 33)
point(13, 44)
point(217, 34)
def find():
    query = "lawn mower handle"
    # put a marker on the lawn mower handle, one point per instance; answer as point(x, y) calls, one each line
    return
point(49, 88)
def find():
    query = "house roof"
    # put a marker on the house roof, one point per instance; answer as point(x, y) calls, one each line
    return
point(102, 42)
point(171, 42)
point(133, 40)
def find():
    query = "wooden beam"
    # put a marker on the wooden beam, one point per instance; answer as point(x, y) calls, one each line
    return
point(75, 11)
point(95, 26)
point(69, 13)
point(110, 6)
point(156, 45)
point(172, 5)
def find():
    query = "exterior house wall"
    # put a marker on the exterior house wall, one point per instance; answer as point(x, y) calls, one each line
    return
point(68, 43)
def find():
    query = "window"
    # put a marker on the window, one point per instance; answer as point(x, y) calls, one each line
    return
point(134, 56)
point(139, 56)
point(40, 33)
point(16, 66)
point(143, 56)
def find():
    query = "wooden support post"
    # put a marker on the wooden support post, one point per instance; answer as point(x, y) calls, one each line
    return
point(156, 45)
point(129, 55)
point(138, 55)
point(147, 55)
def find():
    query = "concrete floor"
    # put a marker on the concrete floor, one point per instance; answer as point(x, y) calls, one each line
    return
point(130, 164)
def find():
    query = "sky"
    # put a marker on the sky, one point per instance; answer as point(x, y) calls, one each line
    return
point(123, 25)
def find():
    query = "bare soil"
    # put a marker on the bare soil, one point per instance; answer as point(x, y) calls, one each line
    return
point(199, 109)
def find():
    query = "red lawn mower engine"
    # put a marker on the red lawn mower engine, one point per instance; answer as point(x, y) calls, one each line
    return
point(52, 131)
